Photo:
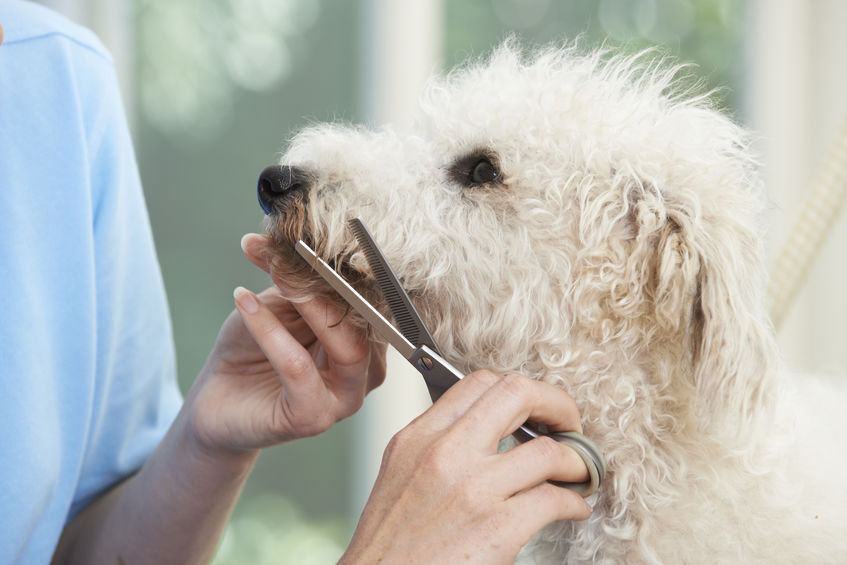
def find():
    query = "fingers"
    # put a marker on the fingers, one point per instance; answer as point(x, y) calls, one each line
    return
point(490, 407)
point(542, 505)
point(253, 245)
point(457, 400)
point(288, 357)
point(534, 462)
point(513, 400)
point(322, 364)
point(345, 343)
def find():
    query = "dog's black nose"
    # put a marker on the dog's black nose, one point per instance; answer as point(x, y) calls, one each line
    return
point(278, 181)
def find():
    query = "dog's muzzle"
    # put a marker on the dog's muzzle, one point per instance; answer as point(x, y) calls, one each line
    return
point(278, 182)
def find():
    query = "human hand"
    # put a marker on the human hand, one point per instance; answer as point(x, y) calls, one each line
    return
point(281, 370)
point(445, 495)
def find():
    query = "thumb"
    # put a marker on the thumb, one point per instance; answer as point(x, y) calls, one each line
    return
point(254, 247)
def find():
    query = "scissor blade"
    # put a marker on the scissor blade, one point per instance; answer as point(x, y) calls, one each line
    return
point(354, 299)
point(405, 315)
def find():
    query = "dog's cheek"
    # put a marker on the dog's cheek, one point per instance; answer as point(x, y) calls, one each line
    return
point(638, 284)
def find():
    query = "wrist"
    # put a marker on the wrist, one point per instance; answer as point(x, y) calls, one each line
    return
point(196, 443)
point(234, 461)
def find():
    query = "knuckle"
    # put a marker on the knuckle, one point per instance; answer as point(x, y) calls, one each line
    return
point(564, 504)
point(546, 448)
point(310, 427)
point(349, 405)
point(501, 526)
point(322, 422)
point(517, 385)
point(483, 378)
point(401, 443)
point(397, 442)
point(468, 494)
point(390, 452)
point(552, 501)
point(354, 404)
point(356, 350)
point(297, 363)
point(442, 463)
point(564, 396)
point(437, 457)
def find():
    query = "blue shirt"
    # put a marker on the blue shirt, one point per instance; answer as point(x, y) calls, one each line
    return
point(87, 378)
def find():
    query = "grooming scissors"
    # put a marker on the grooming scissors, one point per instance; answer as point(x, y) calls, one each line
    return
point(414, 342)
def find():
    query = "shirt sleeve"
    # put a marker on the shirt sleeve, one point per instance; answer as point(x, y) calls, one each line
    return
point(87, 364)
point(136, 396)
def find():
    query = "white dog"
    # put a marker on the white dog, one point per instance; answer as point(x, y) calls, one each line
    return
point(577, 218)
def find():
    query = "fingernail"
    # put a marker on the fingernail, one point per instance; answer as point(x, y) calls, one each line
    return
point(246, 300)
point(244, 241)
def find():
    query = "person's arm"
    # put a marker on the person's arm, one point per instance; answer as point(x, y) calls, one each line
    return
point(172, 511)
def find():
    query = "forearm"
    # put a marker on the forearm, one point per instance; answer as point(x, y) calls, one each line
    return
point(172, 511)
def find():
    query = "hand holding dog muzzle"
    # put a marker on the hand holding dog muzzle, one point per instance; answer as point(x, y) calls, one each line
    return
point(279, 371)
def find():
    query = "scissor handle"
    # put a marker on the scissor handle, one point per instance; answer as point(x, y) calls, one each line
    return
point(440, 375)
point(584, 447)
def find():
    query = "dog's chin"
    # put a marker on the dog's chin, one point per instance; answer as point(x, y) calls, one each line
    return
point(285, 266)
point(292, 273)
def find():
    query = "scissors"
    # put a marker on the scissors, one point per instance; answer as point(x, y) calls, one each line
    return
point(416, 344)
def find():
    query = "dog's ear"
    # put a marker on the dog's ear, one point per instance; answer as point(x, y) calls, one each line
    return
point(703, 282)
point(669, 258)
point(733, 345)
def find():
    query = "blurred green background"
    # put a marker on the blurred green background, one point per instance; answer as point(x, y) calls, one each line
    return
point(219, 87)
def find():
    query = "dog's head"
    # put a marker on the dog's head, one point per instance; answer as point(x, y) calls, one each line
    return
point(571, 216)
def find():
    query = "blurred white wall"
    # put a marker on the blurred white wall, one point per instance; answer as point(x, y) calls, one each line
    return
point(796, 102)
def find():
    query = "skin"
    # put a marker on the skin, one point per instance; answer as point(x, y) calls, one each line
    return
point(282, 370)
point(445, 495)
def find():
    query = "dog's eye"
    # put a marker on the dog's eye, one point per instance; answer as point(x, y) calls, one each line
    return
point(484, 172)
point(476, 169)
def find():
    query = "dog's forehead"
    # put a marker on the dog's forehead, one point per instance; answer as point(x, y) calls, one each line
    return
point(515, 107)
point(490, 109)
point(560, 101)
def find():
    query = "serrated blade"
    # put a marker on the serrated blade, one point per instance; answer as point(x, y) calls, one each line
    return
point(405, 315)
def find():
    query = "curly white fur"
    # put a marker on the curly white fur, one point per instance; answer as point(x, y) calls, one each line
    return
point(619, 257)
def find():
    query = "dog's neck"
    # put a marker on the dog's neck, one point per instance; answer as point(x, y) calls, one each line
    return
point(672, 388)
